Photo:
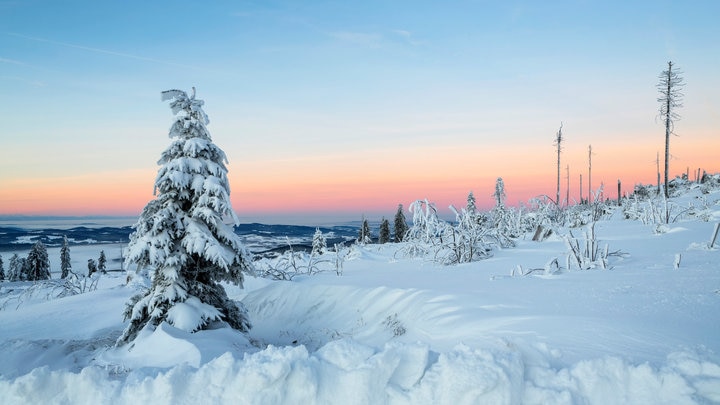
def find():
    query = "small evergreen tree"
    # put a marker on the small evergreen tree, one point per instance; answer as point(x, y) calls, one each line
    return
point(471, 207)
point(65, 266)
point(499, 193)
point(102, 263)
point(37, 263)
point(470, 214)
point(384, 234)
point(14, 268)
point(2, 269)
point(92, 267)
point(319, 243)
point(24, 269)
point(182, 235)
point(364, 234)
point(401, 226)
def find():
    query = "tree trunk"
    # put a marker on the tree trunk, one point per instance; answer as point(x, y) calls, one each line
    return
point(667, 127)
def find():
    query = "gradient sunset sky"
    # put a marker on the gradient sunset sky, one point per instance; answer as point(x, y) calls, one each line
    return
point(345, 108)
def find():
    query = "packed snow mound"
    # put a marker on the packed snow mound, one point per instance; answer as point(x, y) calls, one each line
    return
point(348, 372)
point(150, 348)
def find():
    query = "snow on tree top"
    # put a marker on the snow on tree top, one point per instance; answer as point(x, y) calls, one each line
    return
point(179, 101)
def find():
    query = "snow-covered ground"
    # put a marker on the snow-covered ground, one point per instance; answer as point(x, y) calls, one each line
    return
point(403, 331)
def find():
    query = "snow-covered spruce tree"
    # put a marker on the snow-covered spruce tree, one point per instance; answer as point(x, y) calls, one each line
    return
point(319, 243)
point(102, 263)
point(506, 222)
point(401, 226)
point(65, 266)
point(92, 267)
point(14, 268)
point(499, 193)
point(471, 206)
point(37, 263)
point(364, 233)
point(384, 233)
point(2, 270)
point(181, 234)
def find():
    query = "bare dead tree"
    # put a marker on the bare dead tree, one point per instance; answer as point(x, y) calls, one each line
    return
point(567, 191)
point(558, 143)
point(657, 164)
point(670, 88)
point(590, 191)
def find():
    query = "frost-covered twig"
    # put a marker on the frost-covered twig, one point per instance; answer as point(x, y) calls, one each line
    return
point(590, 255)
point(292, 264)
point(676, 263)
point(714, 236)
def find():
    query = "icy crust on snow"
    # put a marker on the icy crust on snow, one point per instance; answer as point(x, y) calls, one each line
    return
point(345, 371)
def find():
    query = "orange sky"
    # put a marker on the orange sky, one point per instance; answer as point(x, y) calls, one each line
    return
point(335, 184)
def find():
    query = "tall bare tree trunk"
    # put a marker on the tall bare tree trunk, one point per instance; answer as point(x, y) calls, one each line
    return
point(558, 142)
point(590, 193)
point(670, 99)
point(667, 128)
point(567, 192)
point(581, 200)
point(657, 162)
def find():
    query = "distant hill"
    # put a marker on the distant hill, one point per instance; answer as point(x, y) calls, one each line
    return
point(258, 237)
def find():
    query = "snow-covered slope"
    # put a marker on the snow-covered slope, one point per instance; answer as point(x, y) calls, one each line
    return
point(399, 330)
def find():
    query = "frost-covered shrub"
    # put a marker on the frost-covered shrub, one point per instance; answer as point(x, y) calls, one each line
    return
point(294, 263)
point(578, 215)
point(543, 211)
point(458, 244)
point(426, 225)
point(431, 238)
point(507, 224)
point(51, 289)
point(586, 252)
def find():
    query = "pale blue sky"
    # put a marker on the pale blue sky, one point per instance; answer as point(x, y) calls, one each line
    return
point(332, 84)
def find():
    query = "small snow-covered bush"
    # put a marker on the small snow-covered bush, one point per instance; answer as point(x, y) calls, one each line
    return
point(587, 253)
point(294, 263)
point(458, 244)
point(51, 289)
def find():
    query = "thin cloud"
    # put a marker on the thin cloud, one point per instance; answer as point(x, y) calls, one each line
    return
point(408, 37)
point(358, 38)
point(13, 62)
point(33, 83)
point(104, 51)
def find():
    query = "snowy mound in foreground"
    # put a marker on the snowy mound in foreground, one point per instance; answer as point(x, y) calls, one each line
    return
point(348, 372)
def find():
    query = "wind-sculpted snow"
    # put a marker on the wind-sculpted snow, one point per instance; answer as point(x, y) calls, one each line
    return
point(329, 344)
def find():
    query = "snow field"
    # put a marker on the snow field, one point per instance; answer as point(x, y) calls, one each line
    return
point(394, 330)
